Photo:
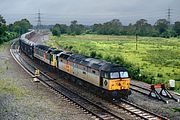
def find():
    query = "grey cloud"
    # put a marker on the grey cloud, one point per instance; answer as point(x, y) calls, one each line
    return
point(88, 11)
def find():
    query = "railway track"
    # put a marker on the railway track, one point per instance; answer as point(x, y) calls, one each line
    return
point(88, 106)
point(138, 111)
point(146, 91)
point(142, 90)
point(81, 102)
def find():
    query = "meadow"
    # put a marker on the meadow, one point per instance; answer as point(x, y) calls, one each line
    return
point(156, 60)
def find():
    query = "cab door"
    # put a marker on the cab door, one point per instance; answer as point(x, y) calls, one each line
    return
point(101, 78)
point(101, 81)
point(57, 62)
point(51, 58)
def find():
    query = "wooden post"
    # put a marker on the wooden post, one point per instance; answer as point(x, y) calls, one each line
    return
point(136, 40)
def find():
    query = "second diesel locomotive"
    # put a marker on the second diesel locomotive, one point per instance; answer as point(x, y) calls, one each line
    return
point(104, 77)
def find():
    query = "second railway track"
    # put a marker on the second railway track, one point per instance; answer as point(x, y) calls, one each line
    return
point(91, 107)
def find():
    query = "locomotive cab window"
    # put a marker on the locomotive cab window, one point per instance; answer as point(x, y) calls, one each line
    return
point(124, 74)
point(106, 75)
point(114, 75)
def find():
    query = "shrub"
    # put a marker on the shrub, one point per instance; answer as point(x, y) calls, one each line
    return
point(107, 58)
point(75, 51)
point(93, 54)
point(117, 60)
point(99, 56)
point(70, 47)
point(168, 74)
point(159, 75)
point(66, 47)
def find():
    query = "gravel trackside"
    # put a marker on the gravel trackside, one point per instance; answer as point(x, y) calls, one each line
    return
point(21, 99)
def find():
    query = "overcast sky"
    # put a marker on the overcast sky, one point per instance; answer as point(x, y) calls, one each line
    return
point(88, 11)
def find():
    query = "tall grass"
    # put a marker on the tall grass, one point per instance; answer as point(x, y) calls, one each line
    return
point(155, 61)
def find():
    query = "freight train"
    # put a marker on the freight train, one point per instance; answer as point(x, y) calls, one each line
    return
point(98, 75)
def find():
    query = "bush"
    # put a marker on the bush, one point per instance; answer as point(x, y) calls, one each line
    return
point(107, 58)
point(93, 54)
point(75, 51)
point(66, 47)
point(134, 72)
point(99, 56)
point(70, 47)
point(7, 37)
point(150, 79)
point(117, 60)
point(159, 75)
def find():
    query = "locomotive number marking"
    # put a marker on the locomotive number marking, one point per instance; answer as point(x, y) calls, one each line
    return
point(37, 73)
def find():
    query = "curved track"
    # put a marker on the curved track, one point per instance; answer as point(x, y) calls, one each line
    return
point(85, 104)
point(78, 100)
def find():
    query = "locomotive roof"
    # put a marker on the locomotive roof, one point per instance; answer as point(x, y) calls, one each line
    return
point(112, 67)
point(65, 55)
point(56, 51)
point(76, 58)
point(92, 62)
point(43, 47)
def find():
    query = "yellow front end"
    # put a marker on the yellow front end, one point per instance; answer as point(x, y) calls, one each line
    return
point(53, 63)
point(119, 84)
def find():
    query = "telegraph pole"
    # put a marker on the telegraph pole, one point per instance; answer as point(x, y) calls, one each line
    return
point(136, 41)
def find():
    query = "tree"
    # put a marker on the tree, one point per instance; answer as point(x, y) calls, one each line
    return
point(113, 27)
point(96, 28)
point(76, 28)
point(161, 25)
point(177, 27)
point(6, 32)
point(143, 28)
point(129, 30)
point(63, 28)
point(55, 30)
point(59, 29)
point(3, 28)
point(10, 27)
point(21, 26)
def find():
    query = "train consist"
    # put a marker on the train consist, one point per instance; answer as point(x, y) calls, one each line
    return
point(98, 75)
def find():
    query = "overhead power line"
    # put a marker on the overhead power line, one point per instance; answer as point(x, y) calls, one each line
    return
point(39, 20)
point(169, 14)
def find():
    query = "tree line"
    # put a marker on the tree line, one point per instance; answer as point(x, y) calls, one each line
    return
point(161, 28)
point(11, 31)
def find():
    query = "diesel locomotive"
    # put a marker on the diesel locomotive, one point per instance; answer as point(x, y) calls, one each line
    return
point(101, 76)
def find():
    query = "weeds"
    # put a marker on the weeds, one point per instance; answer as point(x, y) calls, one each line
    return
point(8, 87)
point(157, 59)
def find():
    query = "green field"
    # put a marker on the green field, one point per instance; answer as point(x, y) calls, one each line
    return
point(156, 59)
